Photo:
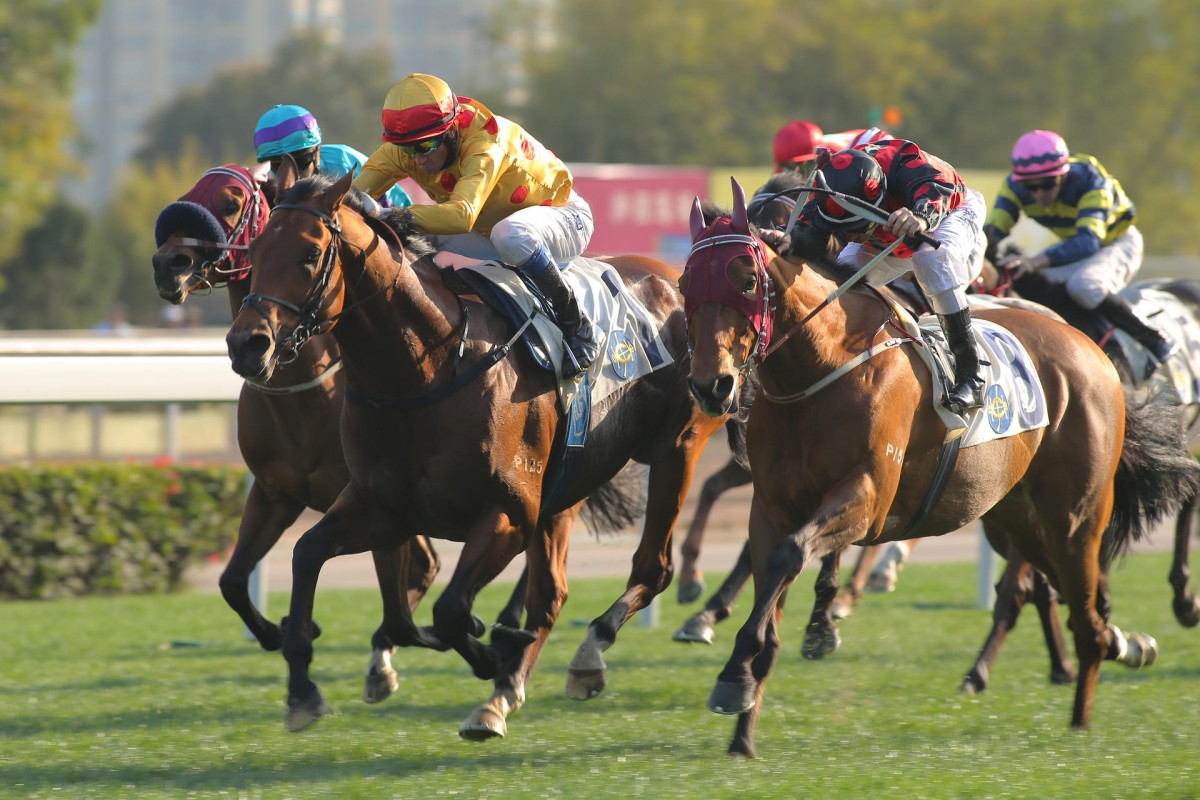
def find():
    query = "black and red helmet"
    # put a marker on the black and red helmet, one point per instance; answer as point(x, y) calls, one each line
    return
point(857, 174)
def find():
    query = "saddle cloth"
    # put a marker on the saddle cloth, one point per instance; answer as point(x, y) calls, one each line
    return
point(1014, 400)
point(632, 346)
point(1175, 319)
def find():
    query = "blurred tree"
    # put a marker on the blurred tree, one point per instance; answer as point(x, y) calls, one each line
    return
point(37, 41)
point(52, 285)
point(343, 90)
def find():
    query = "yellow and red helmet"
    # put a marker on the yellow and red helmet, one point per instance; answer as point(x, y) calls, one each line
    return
point(418, 107)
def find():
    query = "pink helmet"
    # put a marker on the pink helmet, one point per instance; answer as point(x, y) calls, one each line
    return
point(1039, 154)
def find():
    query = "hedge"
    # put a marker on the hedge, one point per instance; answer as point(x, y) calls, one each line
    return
point(112, 528)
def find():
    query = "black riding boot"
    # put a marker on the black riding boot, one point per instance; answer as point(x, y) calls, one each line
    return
point(968, 386)
point(1116, 309)
point(578, 332)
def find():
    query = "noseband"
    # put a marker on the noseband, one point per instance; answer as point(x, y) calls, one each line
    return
point(309, 324)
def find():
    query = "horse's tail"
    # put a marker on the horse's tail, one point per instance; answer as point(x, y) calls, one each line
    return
point(617, 504)
point(1156, 473)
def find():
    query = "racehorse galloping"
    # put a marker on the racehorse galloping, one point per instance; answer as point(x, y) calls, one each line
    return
point(458, 448)
point(852, 460)
point(287, 426)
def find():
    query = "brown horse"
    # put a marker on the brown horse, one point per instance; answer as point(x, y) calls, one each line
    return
point(450, 432)
point(287, 426)
point(851, 459)
point(1020, 583)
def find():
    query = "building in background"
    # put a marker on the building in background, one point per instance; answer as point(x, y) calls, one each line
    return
point(142, 53)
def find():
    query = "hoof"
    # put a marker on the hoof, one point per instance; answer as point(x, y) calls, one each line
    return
point(690, 591)
point(1187, 612)
point(731, 698)
point(1142, 650)
point(973, 683)
point(841, 609)
point(380, 684)
point(820, 641)
point(483, 724)
point(303, 713)
point(1061, 677)
point(584, 684)
point(697, 630)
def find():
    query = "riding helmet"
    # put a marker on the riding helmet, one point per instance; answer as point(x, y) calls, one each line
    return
point(854, 173)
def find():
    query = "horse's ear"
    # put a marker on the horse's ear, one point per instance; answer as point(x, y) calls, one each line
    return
point(285, 177)
point(335, 194)
point(697, 219)
point(739, 206)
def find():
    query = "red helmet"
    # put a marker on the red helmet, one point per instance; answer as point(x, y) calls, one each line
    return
point(795, 141)
point(857, 174)
point(418, 107)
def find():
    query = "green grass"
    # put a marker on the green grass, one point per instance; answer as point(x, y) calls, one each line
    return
point(161, 697)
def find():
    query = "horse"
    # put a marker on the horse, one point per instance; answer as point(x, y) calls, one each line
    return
point(770, 210)
point(1019, 582)
point(450, 431)
point(845, 452)
point(287, 426)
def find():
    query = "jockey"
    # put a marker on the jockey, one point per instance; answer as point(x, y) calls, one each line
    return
point(496, 189)
point(1100, 248)
point(796, 144)
point(920, 193)
point(292, 129)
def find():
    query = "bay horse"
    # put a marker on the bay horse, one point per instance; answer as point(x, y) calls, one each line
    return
point(1020, 583)
point(770, 210)
point(287, 426)
point(851, 460)
point(450, 432)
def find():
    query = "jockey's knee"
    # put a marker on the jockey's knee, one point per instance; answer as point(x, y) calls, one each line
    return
point(515, 240)
point(1085, 293)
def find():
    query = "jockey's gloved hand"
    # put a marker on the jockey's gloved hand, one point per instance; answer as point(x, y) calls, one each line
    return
point(372, 207)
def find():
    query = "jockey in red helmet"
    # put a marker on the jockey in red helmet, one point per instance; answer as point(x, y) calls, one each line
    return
point(493, 185)
point(796, 144)
point(919, 193)
point(1099, 249)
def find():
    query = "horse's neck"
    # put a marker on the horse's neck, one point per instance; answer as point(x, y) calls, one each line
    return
point(819, 343)
point(401, 324)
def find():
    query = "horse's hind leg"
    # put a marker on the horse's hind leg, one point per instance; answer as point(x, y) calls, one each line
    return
point(264, 520)
point(651, 572)
point(1185, 605)
point(699, 627)
point(517, 650)
point(1045, 600)
point(1013, 590)
point(691, 580)
point(821, 636)
point(404, 574)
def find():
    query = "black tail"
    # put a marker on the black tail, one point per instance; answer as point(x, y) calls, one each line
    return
point(617, 504)
point(1156, 474)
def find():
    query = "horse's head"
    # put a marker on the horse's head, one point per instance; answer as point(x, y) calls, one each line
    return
point(203, 237)
point(296, 286)
point(727, 292)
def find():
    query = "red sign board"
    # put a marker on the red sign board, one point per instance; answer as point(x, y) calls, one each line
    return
point(641, 210)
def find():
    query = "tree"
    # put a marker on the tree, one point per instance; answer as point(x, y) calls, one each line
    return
point(37, 40)
point(343, 90)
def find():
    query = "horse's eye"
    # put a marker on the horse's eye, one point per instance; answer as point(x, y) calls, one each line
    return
point(313, 255)
point(750, 284)
point(231, 208)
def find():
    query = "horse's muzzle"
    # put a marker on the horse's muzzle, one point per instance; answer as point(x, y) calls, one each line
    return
point(173, 271)
point(251, 354)
point(716, 398)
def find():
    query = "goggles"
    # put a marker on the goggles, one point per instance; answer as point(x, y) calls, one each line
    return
point(1040, 185)
point(423, 147)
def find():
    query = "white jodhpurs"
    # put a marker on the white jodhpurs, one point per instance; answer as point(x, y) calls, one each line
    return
point(1107, 271)
point(564, 231)
point(943, 273)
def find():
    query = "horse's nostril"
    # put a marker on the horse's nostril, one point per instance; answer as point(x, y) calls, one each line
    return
point(723, 387)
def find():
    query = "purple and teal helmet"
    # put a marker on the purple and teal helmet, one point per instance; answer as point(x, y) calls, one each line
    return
point(285, 129)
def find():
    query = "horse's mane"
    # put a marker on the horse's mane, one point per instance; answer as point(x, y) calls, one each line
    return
point(417, 243)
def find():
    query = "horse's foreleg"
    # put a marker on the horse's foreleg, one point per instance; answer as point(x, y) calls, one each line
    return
point(699, 627)
point(346, 528)
point(264, 520)
point(1013, 590)
point(510, 615)
point(649, 577)
point(849, 595)
point(821, 636)
point(1185, 605)
point(516, 649)
point(691, 579)
point(1045, 599)
point(742, 743)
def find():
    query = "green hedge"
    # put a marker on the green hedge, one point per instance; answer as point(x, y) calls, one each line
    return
point(112, 528)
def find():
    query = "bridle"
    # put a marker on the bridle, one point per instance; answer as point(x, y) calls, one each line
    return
point(237, 243)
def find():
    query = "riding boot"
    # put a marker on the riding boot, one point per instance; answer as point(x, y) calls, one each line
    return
point(1116, 309)
point(579, 334)
point(968, 386)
